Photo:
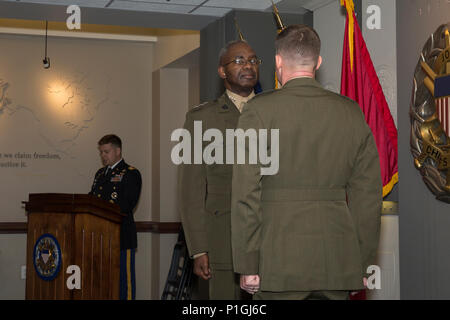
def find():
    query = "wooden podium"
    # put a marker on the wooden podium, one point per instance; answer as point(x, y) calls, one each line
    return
point(87, 233)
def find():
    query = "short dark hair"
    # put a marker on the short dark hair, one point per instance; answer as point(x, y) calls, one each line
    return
point(300, 44)
point(227, 47)
point(111, 138)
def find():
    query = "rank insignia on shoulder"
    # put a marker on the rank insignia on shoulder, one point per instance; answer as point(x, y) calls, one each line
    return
point(199, 105)
point(131, 168)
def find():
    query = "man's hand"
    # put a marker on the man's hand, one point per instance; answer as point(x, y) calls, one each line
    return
point(250, 283)
point(352, 293)
point(201, 267)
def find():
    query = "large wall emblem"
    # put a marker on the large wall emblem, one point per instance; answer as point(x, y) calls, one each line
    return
point(430, 114)
point(47, 257)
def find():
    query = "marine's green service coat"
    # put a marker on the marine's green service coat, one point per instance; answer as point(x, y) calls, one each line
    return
point(295, 229)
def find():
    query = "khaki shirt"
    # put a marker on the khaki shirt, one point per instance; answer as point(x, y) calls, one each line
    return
point(238, 100)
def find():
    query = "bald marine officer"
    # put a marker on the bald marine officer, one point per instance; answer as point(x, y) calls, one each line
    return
point(120, 183)
point(205, 190)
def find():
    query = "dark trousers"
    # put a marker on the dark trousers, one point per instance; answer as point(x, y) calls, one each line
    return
point(127, 275)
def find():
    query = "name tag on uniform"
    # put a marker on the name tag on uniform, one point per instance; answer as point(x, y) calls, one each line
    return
point(117, 178)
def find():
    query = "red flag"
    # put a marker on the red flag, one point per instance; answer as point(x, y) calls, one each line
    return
point(359, 82)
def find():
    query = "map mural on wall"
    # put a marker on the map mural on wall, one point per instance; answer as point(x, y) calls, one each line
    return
point(51, 119)
point(68, 108)
point(73, 96)
point(4, 101)
point(76, 93)
point(48, 133)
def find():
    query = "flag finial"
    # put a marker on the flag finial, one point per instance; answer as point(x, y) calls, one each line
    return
point(280, 25)
point(241, 37)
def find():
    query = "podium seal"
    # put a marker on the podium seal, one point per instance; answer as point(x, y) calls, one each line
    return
point(47, 257)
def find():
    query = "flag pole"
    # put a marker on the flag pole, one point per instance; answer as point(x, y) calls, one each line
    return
point(350, 6)
point(276, 14)
point(280, 27)
point(241, 37)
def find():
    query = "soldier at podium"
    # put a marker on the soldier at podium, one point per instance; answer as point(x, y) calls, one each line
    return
point(120, 183)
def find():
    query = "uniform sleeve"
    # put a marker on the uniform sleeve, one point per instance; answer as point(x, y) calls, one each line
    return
point(132, 191)
point(364, 192)
point(92, 189)
point(191, 199)
point(246, 203)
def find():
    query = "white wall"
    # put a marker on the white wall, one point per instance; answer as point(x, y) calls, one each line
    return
point(13, 250)
point(144, 267)
point(329, 22)
point(174, 88)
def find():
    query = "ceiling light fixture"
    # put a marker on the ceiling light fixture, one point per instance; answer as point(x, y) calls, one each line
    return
point(46, 60)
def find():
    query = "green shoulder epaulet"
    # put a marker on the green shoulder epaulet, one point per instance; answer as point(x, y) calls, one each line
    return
point(199, 107)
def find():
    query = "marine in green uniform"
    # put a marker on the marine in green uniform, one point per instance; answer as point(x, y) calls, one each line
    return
point(311, 230)
point(120, 183)
point(205, 190)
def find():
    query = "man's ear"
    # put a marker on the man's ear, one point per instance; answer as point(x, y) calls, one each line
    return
point(221, 72)
point(278, 61)
point(319, 63)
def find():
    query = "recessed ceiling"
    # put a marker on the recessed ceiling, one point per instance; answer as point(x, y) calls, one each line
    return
point(216, 8)
point(173, 14)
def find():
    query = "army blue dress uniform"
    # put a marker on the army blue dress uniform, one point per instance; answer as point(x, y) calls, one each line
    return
point(122, 185)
